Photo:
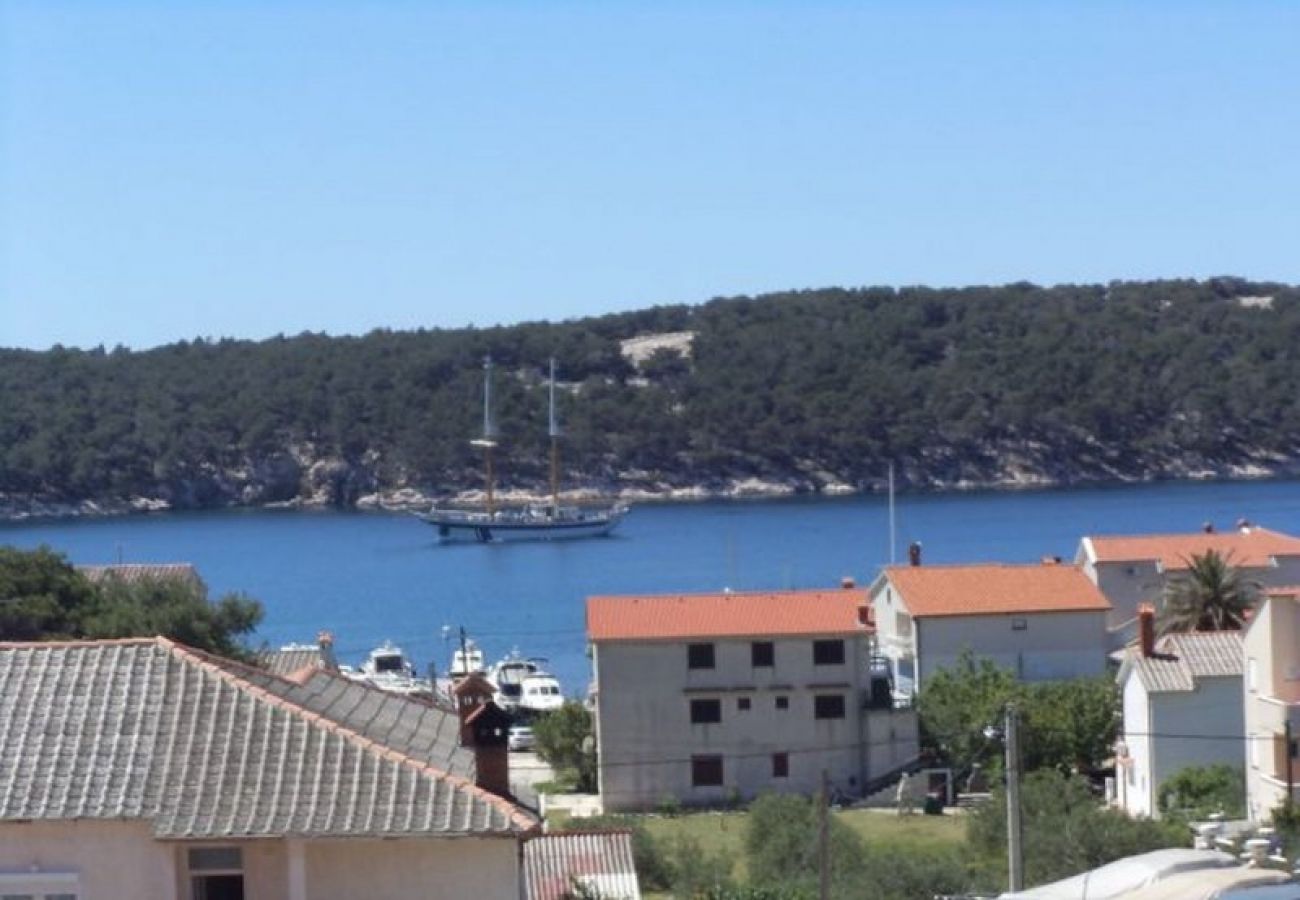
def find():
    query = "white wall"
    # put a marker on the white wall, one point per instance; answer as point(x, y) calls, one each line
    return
point(1051, 646)
point(646, 739)
point(115, 860)
point(1272, 649)
point(1134, 788)
point(1196, 728)
point(413, 869)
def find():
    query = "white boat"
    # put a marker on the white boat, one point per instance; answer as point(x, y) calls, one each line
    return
point(466, 660)
point(540, 693)
point(387, 668)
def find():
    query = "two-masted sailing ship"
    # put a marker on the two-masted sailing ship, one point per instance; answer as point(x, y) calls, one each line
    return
point(535, 521)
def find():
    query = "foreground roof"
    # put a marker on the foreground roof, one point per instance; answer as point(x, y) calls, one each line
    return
point(149, 729)
point(601, 861)
point(1254, 547)
point(727, 614)
point(1182, 659)
point(994, 589)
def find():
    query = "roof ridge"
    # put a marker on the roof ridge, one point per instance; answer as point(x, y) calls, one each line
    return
point(206, 661)
point(895, 567)
point(79, 642)
point(780, 592)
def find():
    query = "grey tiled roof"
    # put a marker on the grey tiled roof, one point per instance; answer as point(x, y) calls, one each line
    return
point(288, 660)
point(148, 729)
point(600, 860)
point(133, 573)
point(1182, 659)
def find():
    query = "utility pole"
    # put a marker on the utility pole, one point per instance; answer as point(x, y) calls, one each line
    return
point(464, 652)
point(1290, 761)
point(1015, 855)
point(893, 557)
point(824, 839)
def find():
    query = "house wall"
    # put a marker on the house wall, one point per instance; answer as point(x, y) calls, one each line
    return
point(1051, 646)
point(413, 869)
point(1135, 791)
point(1272, 695)
point(895, 634)
point(646, 737)
point(1195, 728)
point(114, 859)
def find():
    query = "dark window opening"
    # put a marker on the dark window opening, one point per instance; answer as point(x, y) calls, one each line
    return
point(706, 771)
point(782, 702)
point(828, 706)
point(742, 704)
point(828, 653)
point(706, 711)
point(762, 654)
point(1019, 624)
point(699, 656)
point(780, 765)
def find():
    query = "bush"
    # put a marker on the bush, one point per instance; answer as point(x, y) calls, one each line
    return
point(1198, 791)
point(565, 741)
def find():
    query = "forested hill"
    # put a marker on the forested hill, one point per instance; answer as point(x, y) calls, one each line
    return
point(809, 391)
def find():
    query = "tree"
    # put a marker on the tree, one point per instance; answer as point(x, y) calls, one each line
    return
point(44, 598)
point(1199, 791)
point(1211, 595)
point(958, 705)
point(565, 741)
point(1065, 830)
point(1069, 725)
point(781, 834)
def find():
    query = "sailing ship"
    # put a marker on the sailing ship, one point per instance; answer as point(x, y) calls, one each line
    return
point(536, 521)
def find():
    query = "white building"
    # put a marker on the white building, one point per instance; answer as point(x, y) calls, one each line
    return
point(1135, 569)
point(708, 697)
point(1182, 707)
point(1044, 621)
point(1272, 701)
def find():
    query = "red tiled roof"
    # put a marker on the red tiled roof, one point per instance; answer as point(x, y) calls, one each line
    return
point(1254, 547)
point(772, 613)
point(994, 588)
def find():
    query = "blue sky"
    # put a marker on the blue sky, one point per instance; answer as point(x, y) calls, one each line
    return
point(170, 170)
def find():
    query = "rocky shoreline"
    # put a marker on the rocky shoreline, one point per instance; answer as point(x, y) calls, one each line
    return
point(410, 499)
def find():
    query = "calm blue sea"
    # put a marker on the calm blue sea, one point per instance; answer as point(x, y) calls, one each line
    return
point(369, 577)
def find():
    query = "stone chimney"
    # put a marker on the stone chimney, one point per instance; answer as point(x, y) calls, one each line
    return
point(914, 553)
point(1147, 629)
point(1207, 527)
point(484, 728)
point(328, 661)
point(848, 583)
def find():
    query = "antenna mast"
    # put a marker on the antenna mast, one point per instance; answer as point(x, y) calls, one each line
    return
point(488, 441)
point(893, 558)
point(555, 447)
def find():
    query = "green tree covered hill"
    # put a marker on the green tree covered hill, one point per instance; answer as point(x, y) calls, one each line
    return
point(977, 385)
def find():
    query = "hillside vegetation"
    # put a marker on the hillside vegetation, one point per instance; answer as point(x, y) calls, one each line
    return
point(804, 390)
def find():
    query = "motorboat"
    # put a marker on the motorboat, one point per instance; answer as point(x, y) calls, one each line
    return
point(466, 660)
point(540, 693)
point(388, 668)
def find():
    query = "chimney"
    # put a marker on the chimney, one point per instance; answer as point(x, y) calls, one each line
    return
point(325, 641)
point(848, 583)
point(914, 553)
point(1147, 629)
point(484, 728)
point(864, 615)
point(1243, 525)
point(1207, 527)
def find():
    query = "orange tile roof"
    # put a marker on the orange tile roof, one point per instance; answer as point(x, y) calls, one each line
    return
point(765, 614)
point(994, 589)
point(1254, 547)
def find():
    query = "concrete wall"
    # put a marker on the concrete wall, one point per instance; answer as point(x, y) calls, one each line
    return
point(646, 737)
point(114, 859)
point(413, 869)
point(1051, 646)
point(1272, 695)
point(1212, 721)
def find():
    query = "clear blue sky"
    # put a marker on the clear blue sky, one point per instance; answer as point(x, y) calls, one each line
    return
point(170, 170)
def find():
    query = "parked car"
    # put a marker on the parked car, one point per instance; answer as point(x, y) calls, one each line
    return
point(520, 738)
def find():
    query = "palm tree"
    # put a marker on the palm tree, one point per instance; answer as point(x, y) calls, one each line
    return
point(1210, 595)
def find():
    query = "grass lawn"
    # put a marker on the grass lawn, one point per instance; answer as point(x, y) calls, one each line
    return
point(724, 833)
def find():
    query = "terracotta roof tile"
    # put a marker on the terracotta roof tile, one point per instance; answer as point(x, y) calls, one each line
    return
point(1254, 547)
point(767, 614)
point(1181, 659)
point(994, 589)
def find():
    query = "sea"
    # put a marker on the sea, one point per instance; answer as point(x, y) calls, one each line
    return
point(369, 577)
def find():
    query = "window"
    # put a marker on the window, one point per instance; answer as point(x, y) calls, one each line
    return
point(828, 653)
point(1019, 624)
point(39, 886)
point(216, 873)
point(706, 771)
point(706, 711)
point(780, 765)
point(762, 654)
point(742, 704)
point(699, 656)
point(782, 702)
point(828, 706)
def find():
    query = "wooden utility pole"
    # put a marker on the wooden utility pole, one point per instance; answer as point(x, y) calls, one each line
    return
point(1290, 761)
point(824, 839)
point(1015, 855)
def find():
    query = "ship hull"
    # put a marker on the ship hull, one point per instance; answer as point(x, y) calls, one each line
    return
point(483, 529)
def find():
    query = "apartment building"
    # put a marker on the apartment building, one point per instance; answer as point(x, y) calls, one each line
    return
point(1272, 701)
point(704, 698)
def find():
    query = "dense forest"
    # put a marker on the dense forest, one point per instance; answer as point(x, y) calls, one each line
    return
point(808, 389)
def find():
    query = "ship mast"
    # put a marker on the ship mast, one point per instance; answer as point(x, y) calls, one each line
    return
point(555, 447)
point(488, 440)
